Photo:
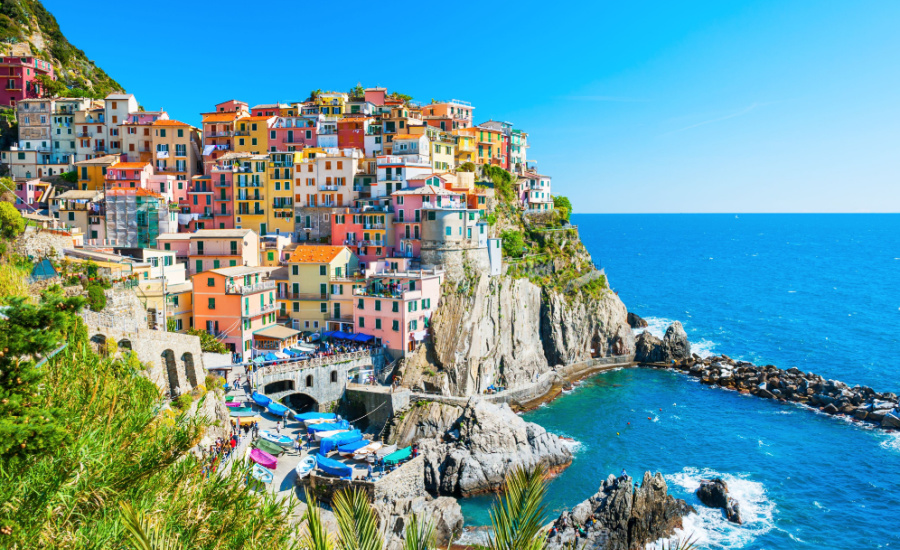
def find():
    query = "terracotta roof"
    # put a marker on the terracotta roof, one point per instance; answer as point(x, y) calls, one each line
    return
point(169, 123)
point(130, 165)
point(407, 136)
point(220, 117)
point(311, 254)
point(105, 159)
point(257, 118)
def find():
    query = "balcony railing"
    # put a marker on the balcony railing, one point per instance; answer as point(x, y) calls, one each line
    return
point(329, 187)
point(266, 308)
point(276, 204)
point(303, 296)
point(444, 205)
point(84, 134)
point(374, 226)
point(249, 289)
point(228, 133)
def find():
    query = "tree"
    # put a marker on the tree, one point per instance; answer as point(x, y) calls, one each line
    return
point(50, 87)
point(466, 167)
point(28, 333)
point(208, 342)
point(560, 202)
point(71, 177)
point(518, 516)
point(513, 243)
point(11, 222)
point(357, 91)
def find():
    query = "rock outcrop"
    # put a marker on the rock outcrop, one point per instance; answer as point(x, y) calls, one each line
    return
point(423, 420)
point(507, 332)
point(714, 493)
point(482, 445)
point(620, 516)
point(635, 321)
point(673, 347)
point(676, 343)
point(649, 349)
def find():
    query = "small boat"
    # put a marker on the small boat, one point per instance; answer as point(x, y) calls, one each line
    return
point(263, 458)
point(247, 420)
point(361, 454)
point(322, 435)
point(262, 473)
point(242, 413)
point(260, 399)
point(233, 404)
point(306, 465)
point(268, 447)
point(314, 421)
point(348, 449)
point(303, 417)
point(279, 439)
point(277, 408)
point(398, 456)
point(384, 451)
point(229, 399)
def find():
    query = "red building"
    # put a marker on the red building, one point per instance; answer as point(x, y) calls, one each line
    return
point(352, 132)
point(20, 78)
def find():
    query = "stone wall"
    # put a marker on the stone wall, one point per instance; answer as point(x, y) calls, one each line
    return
point(375, 404)
point(174, 360)
point(455, 260)
point(37, 244)
point(324, 487)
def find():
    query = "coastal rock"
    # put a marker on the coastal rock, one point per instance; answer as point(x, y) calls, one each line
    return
point(890, 420)
point(507, 332)
point(635, 321)
point(620, 516)
point(676, 343)
point(491, 439)
point(424, 420)
point(714, 493)
point(649, 349)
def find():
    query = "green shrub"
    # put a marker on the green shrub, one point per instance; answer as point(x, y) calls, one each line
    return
point(183, 402)
point(96, 297)
point(513, 244)
point(12, 224)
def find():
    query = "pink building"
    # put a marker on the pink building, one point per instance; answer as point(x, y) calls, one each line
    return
point(367, 229)
point(20, 78)
point(409, 207)
point(180, 243)
point(293, 133)
point(197, 206)
point(376, 96)
point(396, 307)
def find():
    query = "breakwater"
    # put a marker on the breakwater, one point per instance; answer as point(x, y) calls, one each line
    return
point(860, 403)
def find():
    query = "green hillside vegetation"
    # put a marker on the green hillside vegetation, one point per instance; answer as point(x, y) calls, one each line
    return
point(77, 75)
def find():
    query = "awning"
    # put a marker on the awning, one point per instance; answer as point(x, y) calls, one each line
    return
point(360, 337)
point(277, 332)
point(339, 334)
point(282, 355)
point(270, 357)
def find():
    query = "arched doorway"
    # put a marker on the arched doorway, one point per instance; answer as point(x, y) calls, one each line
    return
point(168, 359)
point(300, 402)
point(99, 342)
point(188, 359)
point(124, 343)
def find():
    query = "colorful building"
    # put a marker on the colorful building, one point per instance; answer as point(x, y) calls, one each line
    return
point(217, 248)
point(83, 209)
point(137, 135)
point(312, 272)
point(449, 115)
point(251, 134)
point(280, 193)
point(232, 303)
point(20, 78)
point(176, 151)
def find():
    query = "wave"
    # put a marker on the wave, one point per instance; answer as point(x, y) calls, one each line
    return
point(891, 442)
point(657, 327)
point(708, 528)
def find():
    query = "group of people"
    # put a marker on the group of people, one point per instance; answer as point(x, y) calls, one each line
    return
point(563, 522)
point(219, 452)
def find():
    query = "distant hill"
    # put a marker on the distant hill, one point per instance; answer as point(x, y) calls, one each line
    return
point(27, 28)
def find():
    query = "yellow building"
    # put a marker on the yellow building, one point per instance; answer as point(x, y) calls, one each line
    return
point(92, 172)
point(443, 153)
point(175, 150)
point(250, 179)
point(280, 192)
point(331, 103)
point(465, 148)
point(251, 134)
point(314, 293)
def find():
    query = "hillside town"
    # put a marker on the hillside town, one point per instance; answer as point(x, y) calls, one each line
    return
point(275, 224)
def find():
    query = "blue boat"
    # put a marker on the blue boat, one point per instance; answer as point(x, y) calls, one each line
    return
point(329, 444)
point(350, 448)
point(262, 473)
point(329, 426)
point(277, 408)
point(260, 399)
point(315, 416)
point(333, 467)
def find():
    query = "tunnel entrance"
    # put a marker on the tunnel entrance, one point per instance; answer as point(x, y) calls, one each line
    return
point(301, 403)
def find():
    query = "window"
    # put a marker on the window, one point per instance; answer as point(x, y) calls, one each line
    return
point(295, 270)
point(395, 326)
point(334, 377)
point(180, 132)
point(396, 307)
point(211, 282)
point(360, 304)
point(362, 323)
point(309, 380)
point(323, 270)
point(377, 305)
point(212, 303)
point(448, 230)
point(377, 324)
point(323, 307)
point(198, 266)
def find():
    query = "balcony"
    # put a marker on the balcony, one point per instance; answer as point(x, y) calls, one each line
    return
point(317, 296)
point(92, 120)
point(444, 205)
point(267, 308)
point(100, 149)
point(84, 134)
point(250, 289)
point(242, 133)
point(374, 226)
point(220, 183)
point(247, 197)
point(341, 319)
point(365, 242)
point(282, 205)
point(329, 187)
point(227, 133)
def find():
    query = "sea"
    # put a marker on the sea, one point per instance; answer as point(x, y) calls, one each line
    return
point(816, 292)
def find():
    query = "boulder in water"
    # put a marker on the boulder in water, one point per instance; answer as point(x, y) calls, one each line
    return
point(649, 349)
point(635, 321)
point(676, 343)
point(714, 493)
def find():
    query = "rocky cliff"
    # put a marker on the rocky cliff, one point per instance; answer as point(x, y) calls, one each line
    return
point(486, 440)
point(620, 516)
point(504, 331)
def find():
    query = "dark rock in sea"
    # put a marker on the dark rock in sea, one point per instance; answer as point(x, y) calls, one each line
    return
point(634, 321)
point(620, 516)
point(891, 420)
point(676, 342)
point(830, 409)
point(649, 349)
point(714, 493)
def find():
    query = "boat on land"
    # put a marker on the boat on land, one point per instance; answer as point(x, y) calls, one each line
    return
point(260, 399)
point(263, 458)
point(363, 452)
point(326, 434)
point(334, 467)
point(332, 443)
point(349, 449)
point(398, 456)
point(261, 473)
point(305, 466)
point(277, 408)
point(281, 440)
point(268, 447)
point(303, 417)
point(242, 413)
point(385, 451)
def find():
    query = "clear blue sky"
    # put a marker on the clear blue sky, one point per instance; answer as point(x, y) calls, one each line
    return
point(758, 106)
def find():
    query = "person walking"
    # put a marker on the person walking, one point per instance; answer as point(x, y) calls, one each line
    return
point(278, 427)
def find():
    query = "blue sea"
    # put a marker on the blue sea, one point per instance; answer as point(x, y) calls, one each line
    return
point(817, 292)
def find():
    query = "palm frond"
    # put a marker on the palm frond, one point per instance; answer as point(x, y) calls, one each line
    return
point(357, 524)
point(419, 534)
point(142, 535)
point(316, 537)
point(689, 543)
point(518, 515)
